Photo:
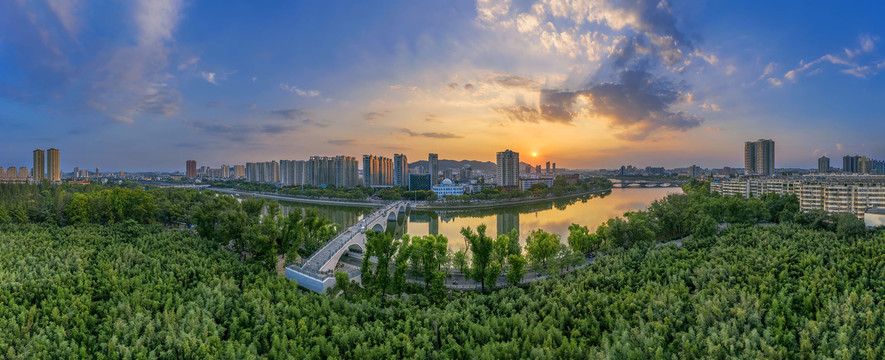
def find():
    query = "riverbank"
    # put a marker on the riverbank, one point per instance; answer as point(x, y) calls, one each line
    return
point(495, 204)
point(303, 200)
point(418, 206)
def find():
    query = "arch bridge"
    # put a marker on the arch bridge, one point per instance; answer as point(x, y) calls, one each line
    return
point(317, 273)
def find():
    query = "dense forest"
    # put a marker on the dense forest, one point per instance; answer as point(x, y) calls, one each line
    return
point(94, 272)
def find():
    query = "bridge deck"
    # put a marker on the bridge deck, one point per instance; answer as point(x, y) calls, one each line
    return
point(325, 253)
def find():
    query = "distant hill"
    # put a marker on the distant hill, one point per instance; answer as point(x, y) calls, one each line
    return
point(484, 166)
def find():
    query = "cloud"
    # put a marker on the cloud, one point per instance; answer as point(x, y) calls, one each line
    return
point(769, 69)
point(434, 135)
point(209, 76)
point(775, 82)
point(190, 62)
point(243, 133)
point(848, 64)
point(299, 92)
point(711, 107)
point(839, 147)
point(638, 103)
point(513, 81)
point(341, 142)
point(375, 115)
point(730, 69)
point(66, 13)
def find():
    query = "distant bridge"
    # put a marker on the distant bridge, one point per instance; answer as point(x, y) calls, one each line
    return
point(628, 183)
point(317, 273)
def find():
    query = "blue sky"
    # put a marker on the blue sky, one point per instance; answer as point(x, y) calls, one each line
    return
point(145, 85)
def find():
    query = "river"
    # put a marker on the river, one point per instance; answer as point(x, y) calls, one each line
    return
point(553, 216)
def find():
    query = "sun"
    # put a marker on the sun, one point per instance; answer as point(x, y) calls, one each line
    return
point(534, 154)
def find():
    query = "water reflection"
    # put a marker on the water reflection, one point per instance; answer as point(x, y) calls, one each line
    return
point(553, 216)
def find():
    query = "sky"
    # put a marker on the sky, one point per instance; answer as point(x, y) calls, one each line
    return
point(147, 84)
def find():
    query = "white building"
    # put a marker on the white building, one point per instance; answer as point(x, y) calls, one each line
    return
point(447, 188)
point(833, 193)
point(526, 184)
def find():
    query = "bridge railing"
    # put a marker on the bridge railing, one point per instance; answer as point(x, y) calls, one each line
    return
point(327, 251)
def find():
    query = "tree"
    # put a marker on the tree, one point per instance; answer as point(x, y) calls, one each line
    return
point(541, 246)
point(492, 273)
point(517, 269)
point(481, 247)
point(382, 246)
point(459, 259)
point(580, 239)
point(848, 225)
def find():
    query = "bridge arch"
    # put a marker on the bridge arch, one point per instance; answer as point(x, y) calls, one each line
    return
point(392, 216)
point(378, 228)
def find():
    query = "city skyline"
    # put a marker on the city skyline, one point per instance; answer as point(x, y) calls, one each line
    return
point(464, 79)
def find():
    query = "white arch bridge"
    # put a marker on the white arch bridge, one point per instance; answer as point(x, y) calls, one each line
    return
point(317, 273)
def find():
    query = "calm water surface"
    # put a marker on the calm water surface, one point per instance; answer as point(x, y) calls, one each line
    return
point(553, 216)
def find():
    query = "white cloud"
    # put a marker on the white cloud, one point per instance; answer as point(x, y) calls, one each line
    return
point(209, 76)
point(730, 69)
point(711, 107)
point(189, 62)
point(299, 92)
point(775, 82)
point(66, 12)
point(769, 69)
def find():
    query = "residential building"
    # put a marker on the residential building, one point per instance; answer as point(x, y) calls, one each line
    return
point(23, 173)
point(239, 171)
point(191, 169)
point(823, 165)
point(508, 169)
point(526, 184)
point(548, 167)
point(832, 193)
point(759, 157)
point(849, 163)
point(11, 173)
point(52, 160)
point(466, 174)
point(864, 165)
point(292, 172)
point(433, 168)
point(694, 171)
point(377, 170)
point(400, 170)
point(39, 170)
point(339, 171)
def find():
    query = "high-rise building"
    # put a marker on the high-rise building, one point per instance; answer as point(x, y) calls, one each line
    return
point(239, 171)
point(538, 169)
point(508, 169)
point(433, 166)
point(2, 173)
point(225, 171)
point(400, 170)
point(76, 172)
point(694, 171)
point(849, 163)
point(466, 173)
point(191, 169)
point(823, 165)
point(554, 168)
point(11, 173)
point(97, 174)
point(548, 167)
point(23, 172)
point(377, 170)
point(39, 171)
point(52, 159)
point(340, 171)
point(292, 172)
point(864, 165)
point(759, 157)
